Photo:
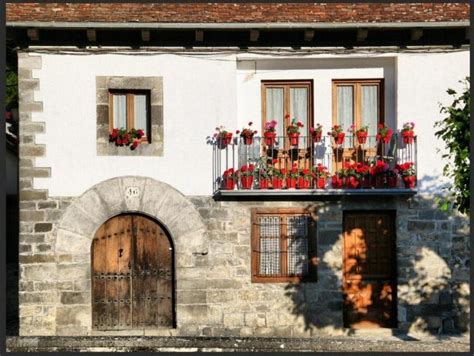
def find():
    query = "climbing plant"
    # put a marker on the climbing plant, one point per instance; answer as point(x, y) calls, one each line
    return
point(455, 132)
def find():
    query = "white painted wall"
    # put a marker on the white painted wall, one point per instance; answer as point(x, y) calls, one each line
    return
point(201, 93)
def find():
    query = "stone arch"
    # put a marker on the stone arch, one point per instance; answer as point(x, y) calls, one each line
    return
point(158, 200)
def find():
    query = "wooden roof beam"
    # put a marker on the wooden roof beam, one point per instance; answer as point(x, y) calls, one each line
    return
point(416, 34)
point(145, 35)
point(91, 35)
point(33, 34)
point(199, 35)
point(254, 35)
point(308, 35)
point(362, 34)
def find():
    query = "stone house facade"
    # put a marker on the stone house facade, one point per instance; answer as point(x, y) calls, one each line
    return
point(85, 203)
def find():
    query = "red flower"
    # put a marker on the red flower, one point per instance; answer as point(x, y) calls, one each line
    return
point(287, 116)
point(140, 133)
point(237, 132)
point(275, 161)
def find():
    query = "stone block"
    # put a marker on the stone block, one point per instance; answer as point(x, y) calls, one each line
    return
point(37, 259)
point(434, 322)
point(30, 62)
point(43, 227)
point(51, 204)
point(233, 319)
point(218, 296)
point(38, 298)
point(73, 315)
point(185, 284)
point(192, 314)
point(192, 297)
point(36, 172)
point(419, 225)
point(75, 298)
point(39, 272)
point(33, 195)
point(225, 284)
point(31, 106)
point(66, 272)
point(255, 319)
point(31, 215)
point(43, 248)
point(31, 238)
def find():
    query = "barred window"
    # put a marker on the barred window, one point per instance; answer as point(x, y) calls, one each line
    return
point(283, 246)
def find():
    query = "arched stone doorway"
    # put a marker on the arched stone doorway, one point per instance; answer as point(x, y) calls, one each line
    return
point(132, 275)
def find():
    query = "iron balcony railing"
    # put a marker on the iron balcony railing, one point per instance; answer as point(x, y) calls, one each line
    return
point(306, 153)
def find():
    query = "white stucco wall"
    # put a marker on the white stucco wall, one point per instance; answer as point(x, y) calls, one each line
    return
point(201, 93)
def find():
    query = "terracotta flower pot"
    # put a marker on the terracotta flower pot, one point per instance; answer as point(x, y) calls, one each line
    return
point(248, 140)
point(277, 183)
point(408, 137)
point(293, 138)
point(392, 181)
point(264, 183)
point(337, 182)
point(291, 183)
point(246, 182)
point(317, 136)
point(339, 139)
point(320, 183)
point(362, 137)
point(304, 183)
point(229, 183)
point(386, 138)
point(379, 181)
point(409, 181)
point(269, 138)
point(352, 182)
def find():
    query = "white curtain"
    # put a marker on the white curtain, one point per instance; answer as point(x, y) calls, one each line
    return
point(269, 245)
point(275, 108)
point(120, 111)
point(140, 112)
point(299, 106)
point(345, 105)
point(370, 108)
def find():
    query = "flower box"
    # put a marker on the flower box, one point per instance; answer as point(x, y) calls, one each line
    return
point(304, 183)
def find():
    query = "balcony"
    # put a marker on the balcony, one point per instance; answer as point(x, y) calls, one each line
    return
point(353, 168)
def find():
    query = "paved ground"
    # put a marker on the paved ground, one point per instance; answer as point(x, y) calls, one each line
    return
point(208, 344)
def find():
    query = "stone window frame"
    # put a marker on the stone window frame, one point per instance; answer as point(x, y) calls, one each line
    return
point(152, 84)
point(312, 246)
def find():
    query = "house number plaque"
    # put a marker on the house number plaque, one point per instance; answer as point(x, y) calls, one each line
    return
point(132, 192)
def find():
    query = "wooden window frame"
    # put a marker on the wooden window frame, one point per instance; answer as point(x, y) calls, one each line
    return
point(287, 84)
point(312, 247)
point(130, 93)
point(357, 108)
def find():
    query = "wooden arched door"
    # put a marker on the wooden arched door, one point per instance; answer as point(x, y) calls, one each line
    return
point(132, 275)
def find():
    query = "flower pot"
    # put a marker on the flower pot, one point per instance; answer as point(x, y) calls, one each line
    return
point(293, 138)
point(320, 183)
point(379, 181)
point(222, 143)
point(229, 183)
point(409, 182)
point(392, 181)
point(339, 139)
point(304, 183)
point(337, 182)
point(365, 182)
point(362, 138)
point(317, 136)
point(264, 183)
point(277, 183)
point(408, 137)
point(269, 138)
point(352, 182)
point(386, 138)
point(248, 140)
point(246, 182)
point(291, 183)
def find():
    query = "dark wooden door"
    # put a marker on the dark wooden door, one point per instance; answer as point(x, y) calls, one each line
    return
point(132, 280)
point(369, 283)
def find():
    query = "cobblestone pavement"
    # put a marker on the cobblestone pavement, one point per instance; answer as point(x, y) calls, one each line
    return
point(208, 344)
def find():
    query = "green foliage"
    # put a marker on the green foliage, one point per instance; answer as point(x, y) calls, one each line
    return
point(11, 90)
point(455, 132)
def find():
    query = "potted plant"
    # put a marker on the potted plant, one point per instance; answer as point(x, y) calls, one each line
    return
point(338, 134)
point(121, 137)
point(361, 133)
point(408, 173)
point(291, 177)
point(269, 132)
point(351, 174)
point(293, 131)
point(384, 133)
point(407, 132)
point(320, 174)
point(363, 170)
point(223, 137)
point(229, 179)
point(277, 176)
point(379, 173)
point(247, 134)
point(392, 178)
point(264, 178)
point(304, 180)
point(338, 180)
point(316, 133)
point(246, 173)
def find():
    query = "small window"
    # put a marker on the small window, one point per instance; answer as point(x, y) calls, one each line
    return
point(130, 109)
point(283, 246)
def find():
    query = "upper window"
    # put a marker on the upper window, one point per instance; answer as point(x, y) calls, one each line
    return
point(358, 103)
point(294, 97)
point(130, 109)
point(283, 246)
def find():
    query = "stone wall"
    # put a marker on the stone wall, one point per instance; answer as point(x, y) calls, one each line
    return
point(215, 296)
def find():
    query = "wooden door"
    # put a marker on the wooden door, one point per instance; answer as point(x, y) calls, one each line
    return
point(283, 101)
point(369, 283)
point(132, 285)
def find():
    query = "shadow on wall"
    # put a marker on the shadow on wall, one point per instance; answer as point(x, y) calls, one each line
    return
point(430, 288)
